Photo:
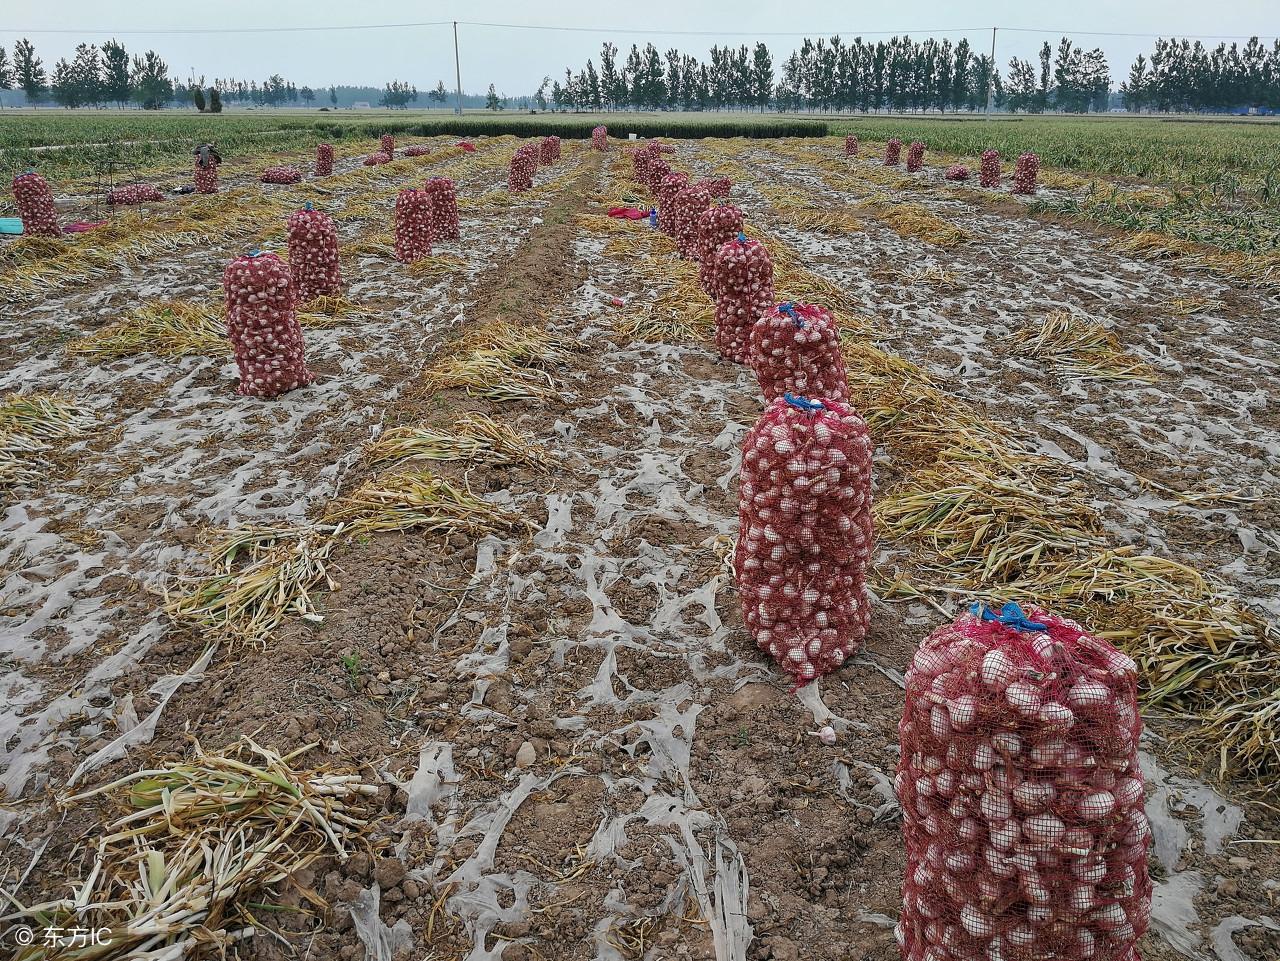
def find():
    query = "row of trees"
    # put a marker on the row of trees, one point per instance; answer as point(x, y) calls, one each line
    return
point(1180, 75)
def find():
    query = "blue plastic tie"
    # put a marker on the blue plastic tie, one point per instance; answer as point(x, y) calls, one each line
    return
point(1011, 615)
point(789, 310)
point(254, 251)
point(742, 238)
point(800, 403)
point(308, 206)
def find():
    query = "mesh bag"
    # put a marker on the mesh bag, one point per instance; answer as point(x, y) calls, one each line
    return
point(206, 169)
point(742, 277)
point(688, 204)
point(549, 150)
point(804, 539)
point(1022, 799)
point(668, 187)
point(34, 200)
point(324, 160)
point(716, 226)
point(915, 156)
point(524, 162)
point(387, 144)
point(444, 208)
point(717, 187)
point(1025, 172)
point(795, 349)
point(850, 145)
point(418, 150)
point(313, 255)
point(414, 226)
point(133, 194)
point(281, 175)
point(377, 158)
point(893, 153)
point(263, 326)
point(599, 137)
point(956, 172)
point(989, 172)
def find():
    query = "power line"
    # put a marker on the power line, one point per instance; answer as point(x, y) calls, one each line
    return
point(186, 31)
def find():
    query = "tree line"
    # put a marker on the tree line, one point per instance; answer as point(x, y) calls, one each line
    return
point(96, 76)
point(1180, 75)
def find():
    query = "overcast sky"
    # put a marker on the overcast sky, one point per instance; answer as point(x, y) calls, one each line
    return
point(515, 60)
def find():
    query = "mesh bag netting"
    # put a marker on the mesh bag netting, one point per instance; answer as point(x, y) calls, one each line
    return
point(324, 160)
point(850, 145)
point(418, 150)
point(414, 226)
point(133, 194)
point(206, 169)
point(549, 150)
point(376, 158)
point(642, 158)
point(524, 162)
point(599, 137)
point(669, 186)
point(1022, 799)
point(795, 349)
point(688, 204)
point(387, 144)
point(989, 172)
point(716, 226)
point(281, 175)
point(444, 208)
point(915, 156)
point(666, 147)
point(956, 172)
point(657, 171)
point(804, 539)
point(313, 255)
point(263, 326)
point(34, 200)
point(717, 187)
point(742, 277)
point(1025, 172)
point(893, 152)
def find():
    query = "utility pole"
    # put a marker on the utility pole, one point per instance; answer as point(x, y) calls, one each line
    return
point(457, 68)
point(991, 76)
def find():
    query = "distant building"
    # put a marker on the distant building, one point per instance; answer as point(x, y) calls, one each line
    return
point(361, 105)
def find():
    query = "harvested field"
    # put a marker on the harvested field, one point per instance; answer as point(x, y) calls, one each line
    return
point(442, 652)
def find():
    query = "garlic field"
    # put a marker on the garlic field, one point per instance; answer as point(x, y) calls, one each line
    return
point(441, 654)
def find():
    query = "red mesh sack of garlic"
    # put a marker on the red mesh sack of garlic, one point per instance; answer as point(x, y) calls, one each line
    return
point(387, 144)
point(600, 137)
point(375, 159)
point(794, 348)
point(716, 226)
point(915, 157)
point(666, 147)
point(989, 172)
point(263, 326)
point(444, 208)
point(549, 150)
point(281, 175)
point(804, 538)
point(523, 164)
point(324, 160)
point(1022, 799)
point(850, 145)
point(641, 158)
point(956, 172)
point(207, 160)
point(717, 187)
point(416, 151)
point(34, 200)
point(688, 204)
point(658, 171)
point(743, 282)
point(1025, 172)
point(414, 225)
point(668, 187)
point(893, 152)
point(133, 194)
point(313, 255)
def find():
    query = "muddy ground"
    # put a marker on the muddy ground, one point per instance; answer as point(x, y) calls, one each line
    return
point(579, 753)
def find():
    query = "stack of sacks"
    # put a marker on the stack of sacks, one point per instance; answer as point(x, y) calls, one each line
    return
point(716, 226)
point(34, 200)
point(414, 226)
point(263, 326)
point(804, 538)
